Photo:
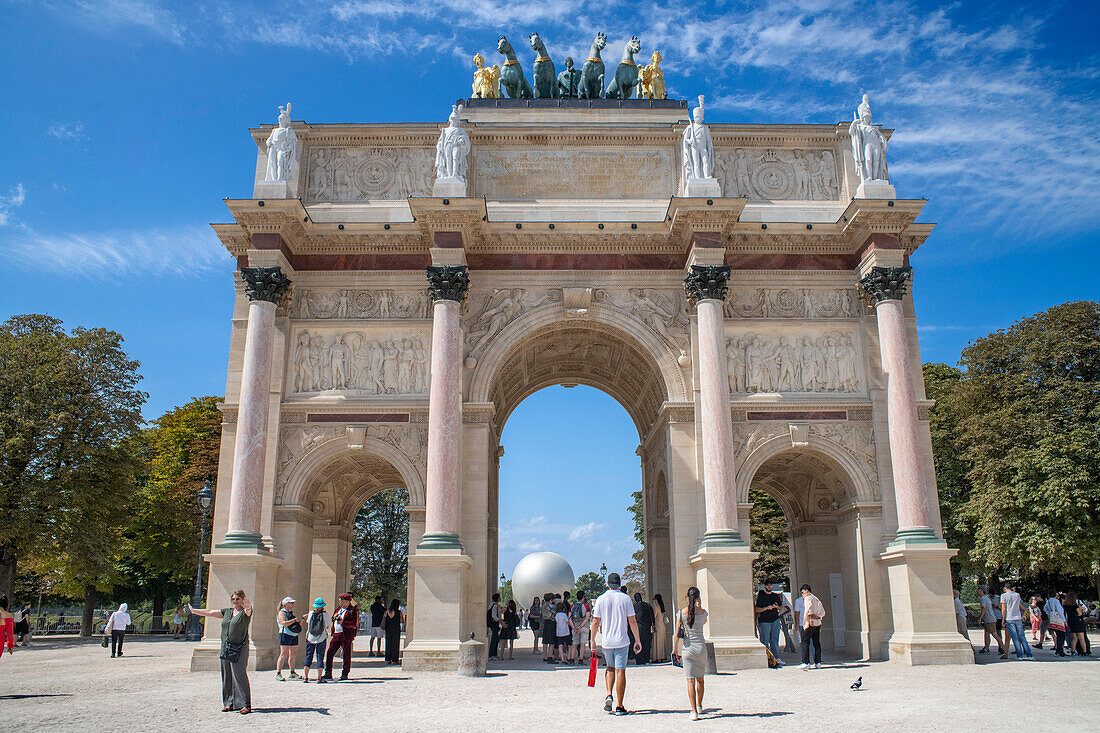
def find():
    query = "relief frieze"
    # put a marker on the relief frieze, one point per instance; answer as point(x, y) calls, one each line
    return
point(380, 304)
point(793, 363)
point(778, 175)
point(792, 303)
point(354, 363)
point(350, 175)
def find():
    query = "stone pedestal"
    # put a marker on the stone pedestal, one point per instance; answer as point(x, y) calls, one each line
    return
point(702, 187)
point(724, 577)
point(875, 190)
point(272, 190)
point(254, 572)
point(449, 188)
point(473, 658)
point(922, 606)
point(438, 582)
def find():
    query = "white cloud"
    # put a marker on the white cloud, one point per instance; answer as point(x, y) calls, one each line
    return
point(585, 531)
point(189, 251)
point(145, 14)
point(71, 131)
point(12, 201)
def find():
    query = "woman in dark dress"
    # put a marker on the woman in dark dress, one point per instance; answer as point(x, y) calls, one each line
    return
point(1075, 624)
point(391, 624)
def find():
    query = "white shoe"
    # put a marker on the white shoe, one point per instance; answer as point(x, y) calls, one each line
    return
point(803, 666)
point(694, 715)
point(817, 665)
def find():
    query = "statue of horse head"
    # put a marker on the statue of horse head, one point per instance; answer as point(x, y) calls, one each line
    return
point(537, 44)
point(598, 44)
point(504, 47)
point(632, 47)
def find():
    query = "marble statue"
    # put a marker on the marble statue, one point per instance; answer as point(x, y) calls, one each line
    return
point(543, 73)
point(868, 145)
point(697, 150)
point(511, 74)
point(282, 149)
point(651, 80)
point(486, 79)
point(568, 79)
point(626, 75)
point(452, 149)
point(592, 72)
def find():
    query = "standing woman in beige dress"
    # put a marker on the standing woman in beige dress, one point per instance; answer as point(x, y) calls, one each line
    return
point(690, 622)
point(660, 633)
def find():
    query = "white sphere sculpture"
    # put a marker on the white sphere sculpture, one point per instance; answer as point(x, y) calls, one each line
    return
point(539, 573)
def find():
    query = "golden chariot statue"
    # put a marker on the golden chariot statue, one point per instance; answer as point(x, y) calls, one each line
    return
point(651, 80)
point(487, 80)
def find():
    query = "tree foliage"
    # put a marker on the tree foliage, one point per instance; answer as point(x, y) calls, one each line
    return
point(1019, 444)
point(379, 560)
point(181, 452)
point(592, 583)
point(768, 536)
point(68, 407)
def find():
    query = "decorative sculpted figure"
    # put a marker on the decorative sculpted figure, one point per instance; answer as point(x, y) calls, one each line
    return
point(626, 76)
point(567, 80)
point(452, 148)
point(868, 145)
point(282, 149)
point(543, 72)
point(651, 80)
point(511, 75)
point(592, 72)
point(697, 149)
point(486, 79)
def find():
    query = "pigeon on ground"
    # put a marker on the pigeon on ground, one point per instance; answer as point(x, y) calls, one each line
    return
point(857, 684)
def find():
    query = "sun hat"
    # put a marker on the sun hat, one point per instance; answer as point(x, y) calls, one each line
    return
point(345, 596)
point(288, 599)
point(319, 603)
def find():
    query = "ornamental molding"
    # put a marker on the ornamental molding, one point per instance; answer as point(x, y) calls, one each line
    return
point(707, 282)
point(886, 283)
point(368, 304)
point(448, 282)
point(267, 284)
point(789, 302)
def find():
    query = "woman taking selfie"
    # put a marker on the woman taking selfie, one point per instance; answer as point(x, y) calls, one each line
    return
point(236, 693)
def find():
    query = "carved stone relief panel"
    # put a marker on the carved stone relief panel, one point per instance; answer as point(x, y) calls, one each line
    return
point(573, 174)
point(664, 311)
point(794, 361)
point(348, 175)
point(358, 363)
point(778, 175)
point(792, 303)
point(407, 304)
point(488, 312)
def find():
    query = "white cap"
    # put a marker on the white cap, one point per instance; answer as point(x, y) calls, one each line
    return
point(288, 599)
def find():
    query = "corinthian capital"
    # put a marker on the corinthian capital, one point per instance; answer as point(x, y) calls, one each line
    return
point(707, 282)
point(265, 283)
point(447, 282)
point(885, 283)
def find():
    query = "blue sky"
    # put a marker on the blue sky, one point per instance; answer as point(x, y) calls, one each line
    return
point(125, 125)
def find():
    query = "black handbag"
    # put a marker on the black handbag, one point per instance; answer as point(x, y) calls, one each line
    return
point(231, 650)
point(295, 628)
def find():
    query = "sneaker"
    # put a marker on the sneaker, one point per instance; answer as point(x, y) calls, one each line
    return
point(983, 651)
point(621, 711)
point(1036, 646)
point(694, 715)
point(280, 677)
point(343, 678)
point(608, 703)
point(295, 676)
point(817, 665)
point(804, 666)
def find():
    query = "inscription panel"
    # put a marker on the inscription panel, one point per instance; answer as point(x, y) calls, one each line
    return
point(604, 174)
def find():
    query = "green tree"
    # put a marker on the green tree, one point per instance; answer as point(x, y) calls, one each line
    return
point(506, 593)
point(1029, 434)
point(181, 453)
point(379, 560)
point(592, 583)
point(768, 536)
point(68, 404)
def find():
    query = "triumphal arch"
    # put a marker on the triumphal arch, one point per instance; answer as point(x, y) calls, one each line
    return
point(743, 290)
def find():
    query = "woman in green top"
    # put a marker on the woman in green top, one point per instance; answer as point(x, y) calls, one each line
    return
point(236, 693)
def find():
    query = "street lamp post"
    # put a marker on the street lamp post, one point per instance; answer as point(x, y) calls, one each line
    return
point(194, 622)
point(503, 580)
point(603, 572)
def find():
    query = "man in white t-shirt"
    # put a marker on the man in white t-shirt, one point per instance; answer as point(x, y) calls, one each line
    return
point(960, 616)
point(614, 613)
point(1014, 622)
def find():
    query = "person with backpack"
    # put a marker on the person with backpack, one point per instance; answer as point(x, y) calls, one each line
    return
point(493, 618)
point(580, 618)
point(549, 626)
point(316, 639)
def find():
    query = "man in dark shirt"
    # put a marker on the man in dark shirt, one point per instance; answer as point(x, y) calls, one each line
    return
point(643, 612)
point(769, 607)
point(377, 610)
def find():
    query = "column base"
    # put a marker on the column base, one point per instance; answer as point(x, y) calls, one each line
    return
point(922, 604)
point(254, 571)
point(440, 541)
point(722, 538)
point(723, 574)
point(915, 535)
point(438, 580)
point(235, 540)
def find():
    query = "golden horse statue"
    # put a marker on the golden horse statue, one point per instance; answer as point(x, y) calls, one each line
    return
point(487, 80)
point(651, 80)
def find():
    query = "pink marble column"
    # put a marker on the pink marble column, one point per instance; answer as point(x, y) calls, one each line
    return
point(706, 286)
point(448, 286)
point(265, 286)
point(886, 285)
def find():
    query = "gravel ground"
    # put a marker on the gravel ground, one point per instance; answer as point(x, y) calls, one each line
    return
point(74, 685)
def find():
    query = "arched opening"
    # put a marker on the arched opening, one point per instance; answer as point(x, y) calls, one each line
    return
point(805, 499)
